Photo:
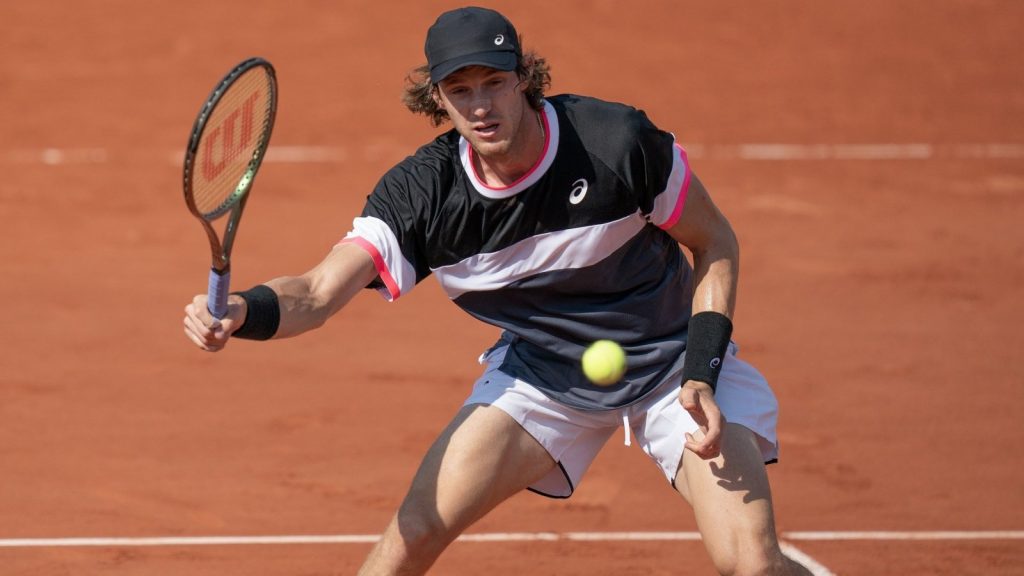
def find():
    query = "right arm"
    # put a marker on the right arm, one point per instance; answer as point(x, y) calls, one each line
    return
point(305, 301)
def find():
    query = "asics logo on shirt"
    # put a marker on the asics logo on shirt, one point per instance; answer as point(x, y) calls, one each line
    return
point(579, 190)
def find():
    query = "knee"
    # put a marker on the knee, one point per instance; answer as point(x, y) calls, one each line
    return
point(422, 532)
point(419, 533)
point(758, 561)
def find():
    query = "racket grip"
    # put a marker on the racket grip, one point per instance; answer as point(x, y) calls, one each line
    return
point(217, 293)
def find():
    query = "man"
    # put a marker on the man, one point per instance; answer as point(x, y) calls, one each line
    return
point(560, 221)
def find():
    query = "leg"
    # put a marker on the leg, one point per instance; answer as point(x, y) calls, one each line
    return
point(482, 458)
point(732, 503)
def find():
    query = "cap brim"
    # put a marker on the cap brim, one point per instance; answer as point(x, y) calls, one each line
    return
point(499, 60)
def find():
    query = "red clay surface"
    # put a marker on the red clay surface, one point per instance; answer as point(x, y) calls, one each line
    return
point(880, 297)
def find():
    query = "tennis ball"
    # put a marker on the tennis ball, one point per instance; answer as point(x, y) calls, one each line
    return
point(604, 362)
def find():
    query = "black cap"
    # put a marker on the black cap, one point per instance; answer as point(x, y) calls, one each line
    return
point(471, 36)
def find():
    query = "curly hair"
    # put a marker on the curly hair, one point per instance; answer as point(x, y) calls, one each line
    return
point(419, 92)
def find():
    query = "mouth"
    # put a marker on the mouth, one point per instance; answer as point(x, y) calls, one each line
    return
point(487, 130)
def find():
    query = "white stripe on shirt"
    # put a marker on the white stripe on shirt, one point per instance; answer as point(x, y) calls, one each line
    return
point(553, 251)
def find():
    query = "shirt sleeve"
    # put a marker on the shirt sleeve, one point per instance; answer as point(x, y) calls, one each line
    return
point(388, 229)
point(661, 173)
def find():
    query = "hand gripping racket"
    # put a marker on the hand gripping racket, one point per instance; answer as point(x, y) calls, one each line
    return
point(224, 152)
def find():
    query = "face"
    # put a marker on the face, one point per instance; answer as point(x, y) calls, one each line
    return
point(487, 107)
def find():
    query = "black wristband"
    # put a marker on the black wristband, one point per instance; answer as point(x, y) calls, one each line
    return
point(263, 316)
point(707, 341)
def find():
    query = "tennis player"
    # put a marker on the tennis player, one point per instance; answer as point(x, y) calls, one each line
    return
point(558, 220)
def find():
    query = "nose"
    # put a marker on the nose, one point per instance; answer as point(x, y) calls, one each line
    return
point(480, 104)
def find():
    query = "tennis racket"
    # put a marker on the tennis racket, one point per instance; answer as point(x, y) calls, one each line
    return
point(225, 149)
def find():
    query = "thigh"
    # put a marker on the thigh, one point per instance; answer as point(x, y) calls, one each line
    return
point(482, 458)
point(731, 497)
point(572, 437)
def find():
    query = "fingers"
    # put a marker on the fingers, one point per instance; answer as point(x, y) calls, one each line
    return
point(202, 328)
point(708, 445)
point(698, 400)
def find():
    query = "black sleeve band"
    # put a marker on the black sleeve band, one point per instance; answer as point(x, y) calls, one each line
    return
point(263, 316)
point(707, 341)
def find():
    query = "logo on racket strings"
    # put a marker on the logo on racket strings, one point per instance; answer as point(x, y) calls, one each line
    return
point(226, 142)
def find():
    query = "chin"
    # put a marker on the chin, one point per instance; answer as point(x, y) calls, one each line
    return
point(490, 147)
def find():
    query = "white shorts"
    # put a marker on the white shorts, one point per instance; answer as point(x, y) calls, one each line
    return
point(574, 437)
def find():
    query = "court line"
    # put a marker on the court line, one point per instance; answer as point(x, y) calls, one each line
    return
point(335, 539)
point(816, 568)
point(757, 152)
point(779, 152)
point(55, 156)
point(117, 542)
point(493, 537)
point(892, 536)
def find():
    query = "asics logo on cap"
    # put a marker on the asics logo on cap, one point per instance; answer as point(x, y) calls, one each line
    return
point(499, 40)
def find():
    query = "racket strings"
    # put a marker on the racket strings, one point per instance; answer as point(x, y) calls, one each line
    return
point(232, 141)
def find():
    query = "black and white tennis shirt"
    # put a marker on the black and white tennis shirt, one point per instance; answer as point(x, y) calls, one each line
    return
point(574, 251)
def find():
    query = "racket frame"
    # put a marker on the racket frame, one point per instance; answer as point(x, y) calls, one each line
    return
point(220, 250)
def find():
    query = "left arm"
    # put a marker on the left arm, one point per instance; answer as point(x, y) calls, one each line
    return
point(704, 230)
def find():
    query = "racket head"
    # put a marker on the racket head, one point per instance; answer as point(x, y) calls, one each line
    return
point(225, 149)
point(229, 139)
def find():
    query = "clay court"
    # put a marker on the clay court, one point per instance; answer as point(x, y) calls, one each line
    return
point(870, 155)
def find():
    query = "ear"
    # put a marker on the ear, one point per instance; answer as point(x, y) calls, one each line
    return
point(524, 82)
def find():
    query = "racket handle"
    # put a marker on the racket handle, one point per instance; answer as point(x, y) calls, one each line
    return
point(217, 293)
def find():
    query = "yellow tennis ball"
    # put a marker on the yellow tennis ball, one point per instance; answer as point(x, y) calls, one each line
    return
point(604, 363)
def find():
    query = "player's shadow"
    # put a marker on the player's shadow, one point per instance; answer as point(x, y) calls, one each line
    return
point(735, 476)
point(735, 481)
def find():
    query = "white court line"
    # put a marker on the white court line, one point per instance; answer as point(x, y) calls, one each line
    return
point(493, 537)
point(183, 541)
point(788, 549)
point(892, 536)
point(816, 568)
point(56, 156)
point(631, 536)
point(579, 536)
point(305, 155)
point(337, 539)
point(758, 152)
point(878, 151)
point(779, 152)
